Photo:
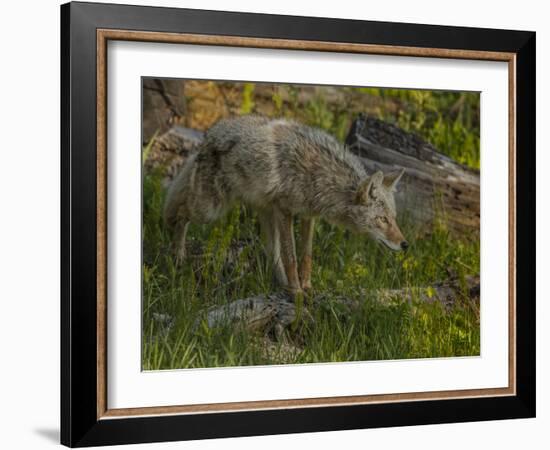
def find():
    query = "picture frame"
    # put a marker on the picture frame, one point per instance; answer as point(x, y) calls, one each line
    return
point(86, 29)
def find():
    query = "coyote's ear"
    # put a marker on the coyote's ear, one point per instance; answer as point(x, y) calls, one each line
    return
point(367, 187)
point(391, 179)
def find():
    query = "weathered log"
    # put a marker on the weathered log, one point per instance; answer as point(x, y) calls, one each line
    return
point(434, 186)
point(273, 311)
point(276, 311)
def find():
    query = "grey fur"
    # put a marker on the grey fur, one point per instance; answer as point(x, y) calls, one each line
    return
point(281, 168)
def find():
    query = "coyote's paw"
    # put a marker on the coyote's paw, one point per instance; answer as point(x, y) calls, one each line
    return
point(294, 292)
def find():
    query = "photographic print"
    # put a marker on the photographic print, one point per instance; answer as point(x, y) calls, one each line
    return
point(291, 210)
point(292, 224)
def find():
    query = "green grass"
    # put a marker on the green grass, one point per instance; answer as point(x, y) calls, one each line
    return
point(227, 262)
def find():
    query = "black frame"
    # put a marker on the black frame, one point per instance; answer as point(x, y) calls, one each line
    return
point(79, 423)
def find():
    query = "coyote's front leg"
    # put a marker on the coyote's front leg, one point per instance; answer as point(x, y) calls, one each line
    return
point(306, 251)
point(283, 221)
point(179, 238)
point(273, 245)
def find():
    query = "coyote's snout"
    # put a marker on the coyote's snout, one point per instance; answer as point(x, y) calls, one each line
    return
point(282, 169)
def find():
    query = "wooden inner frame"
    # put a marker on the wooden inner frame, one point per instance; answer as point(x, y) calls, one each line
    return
point(103, 36)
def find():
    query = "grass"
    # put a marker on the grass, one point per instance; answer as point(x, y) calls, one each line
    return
point(227, 262)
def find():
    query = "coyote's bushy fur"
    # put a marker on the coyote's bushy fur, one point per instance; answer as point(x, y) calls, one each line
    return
point(282, 168)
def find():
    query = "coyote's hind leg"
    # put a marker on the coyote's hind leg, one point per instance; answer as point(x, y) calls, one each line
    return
point(273, 245)
point(306, 250)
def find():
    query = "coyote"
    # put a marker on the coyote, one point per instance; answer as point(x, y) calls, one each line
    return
point(282, 169)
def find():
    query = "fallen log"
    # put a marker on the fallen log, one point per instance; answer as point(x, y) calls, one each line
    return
point(434, 186)
point(277, 312)
point(260, 312)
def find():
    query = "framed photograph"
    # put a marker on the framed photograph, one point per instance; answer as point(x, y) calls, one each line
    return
point(277, 224)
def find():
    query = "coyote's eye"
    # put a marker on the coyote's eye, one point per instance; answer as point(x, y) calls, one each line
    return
point(383, 220)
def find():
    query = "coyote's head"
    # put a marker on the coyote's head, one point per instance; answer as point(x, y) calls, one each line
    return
point(374, 210)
